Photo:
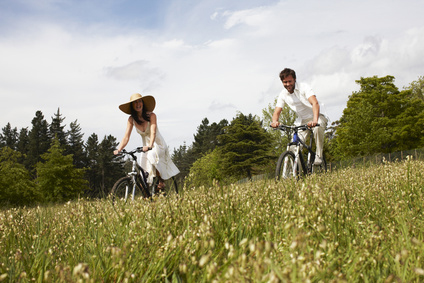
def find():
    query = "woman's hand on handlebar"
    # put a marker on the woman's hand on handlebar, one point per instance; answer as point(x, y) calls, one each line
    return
point(146, 148)
point(116, 151)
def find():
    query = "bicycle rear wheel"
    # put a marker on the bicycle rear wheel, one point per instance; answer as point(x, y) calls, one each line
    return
point(322, 168)
point(123, 190)
point(171, 187)
point(286, 166)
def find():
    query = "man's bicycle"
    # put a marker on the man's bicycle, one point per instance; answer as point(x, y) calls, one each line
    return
point(293, 163)
point(135, 183)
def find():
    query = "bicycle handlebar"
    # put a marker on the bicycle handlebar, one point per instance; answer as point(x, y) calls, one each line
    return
point(301, 127)
point(137, 150)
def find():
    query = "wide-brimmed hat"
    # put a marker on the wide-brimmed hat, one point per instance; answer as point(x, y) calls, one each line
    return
point(149, 103)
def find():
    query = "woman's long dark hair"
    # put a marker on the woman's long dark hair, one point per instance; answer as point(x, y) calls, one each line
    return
point(144, 114)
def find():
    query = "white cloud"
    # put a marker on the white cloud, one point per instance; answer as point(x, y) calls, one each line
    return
point(211, 63)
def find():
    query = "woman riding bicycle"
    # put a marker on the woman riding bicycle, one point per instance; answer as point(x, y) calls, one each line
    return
point(156, 160)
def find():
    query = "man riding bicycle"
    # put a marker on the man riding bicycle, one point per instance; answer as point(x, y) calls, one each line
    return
point(301, 99)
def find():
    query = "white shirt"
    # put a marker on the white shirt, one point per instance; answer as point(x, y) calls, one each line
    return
point(298, 101)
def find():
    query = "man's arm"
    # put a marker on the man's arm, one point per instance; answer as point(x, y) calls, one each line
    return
point(276, 116)
point(315, 110)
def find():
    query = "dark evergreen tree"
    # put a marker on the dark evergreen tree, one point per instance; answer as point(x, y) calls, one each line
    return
point(57, 129)
point(183, 158)
point(39, 139)
point(205, 139)
point(76, 145)
point(111, 168)
point(9, 137)
point(245, 147)
point(23, 146)
point(93, 168)
point(57, 178)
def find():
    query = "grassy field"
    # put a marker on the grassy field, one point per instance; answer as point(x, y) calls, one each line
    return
point(351, 225)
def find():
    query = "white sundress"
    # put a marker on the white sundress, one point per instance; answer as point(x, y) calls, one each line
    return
point(157, 158)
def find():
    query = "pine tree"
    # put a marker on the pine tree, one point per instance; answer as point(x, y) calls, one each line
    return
point(93, 168)
point(39, 139)
point(9, 137)
point(183, 158)
point(205, 139)
point(57, 177)
point(110, 167)
point(23, 146)
point(245, 147)
point(76, 145)
point(57, 129)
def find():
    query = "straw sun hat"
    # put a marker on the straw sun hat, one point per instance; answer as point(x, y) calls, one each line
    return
point(149, 103)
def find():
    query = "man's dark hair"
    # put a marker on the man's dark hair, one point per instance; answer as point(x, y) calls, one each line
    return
point(286, 73)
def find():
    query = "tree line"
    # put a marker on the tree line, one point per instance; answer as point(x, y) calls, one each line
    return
point(379, 118)
point(47, 163)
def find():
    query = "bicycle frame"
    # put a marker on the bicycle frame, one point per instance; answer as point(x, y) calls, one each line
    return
point(299, 164)
point(298, 154)
point(137, 175)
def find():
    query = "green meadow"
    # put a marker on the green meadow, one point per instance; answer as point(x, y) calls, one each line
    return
point(363, 224)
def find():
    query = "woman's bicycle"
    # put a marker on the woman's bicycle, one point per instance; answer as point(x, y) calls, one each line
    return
point(135, 183)
point(292, 163)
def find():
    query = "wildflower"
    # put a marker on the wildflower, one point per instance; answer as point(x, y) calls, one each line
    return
point(203, 260)
point(419, 271)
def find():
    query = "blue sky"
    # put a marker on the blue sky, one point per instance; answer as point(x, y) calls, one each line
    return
point(200, 59)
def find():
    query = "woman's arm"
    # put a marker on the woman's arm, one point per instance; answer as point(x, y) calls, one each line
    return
point(153, 127)
point(126, 137)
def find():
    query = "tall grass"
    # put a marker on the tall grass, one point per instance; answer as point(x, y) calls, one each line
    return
point(356, 224)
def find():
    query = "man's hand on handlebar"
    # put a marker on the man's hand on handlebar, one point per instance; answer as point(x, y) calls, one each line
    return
point(312, 124)
point(275, 124)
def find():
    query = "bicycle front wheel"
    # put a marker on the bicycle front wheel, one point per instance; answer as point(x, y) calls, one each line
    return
point(286, 166)
point(125, 189)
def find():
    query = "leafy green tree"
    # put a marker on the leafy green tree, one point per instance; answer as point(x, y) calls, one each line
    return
point(207, 170)
point(16, 184)
point(76, 145)
point(408, 132)
point(205, 140)
point(57, 177)
point(57, 129)
point(279, 138)
point(39, 139)
point(245, 147)
point(9, 136)
point(417, 88)
point(378, 118)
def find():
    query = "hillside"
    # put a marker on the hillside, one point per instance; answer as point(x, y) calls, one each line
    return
point(355, 224)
